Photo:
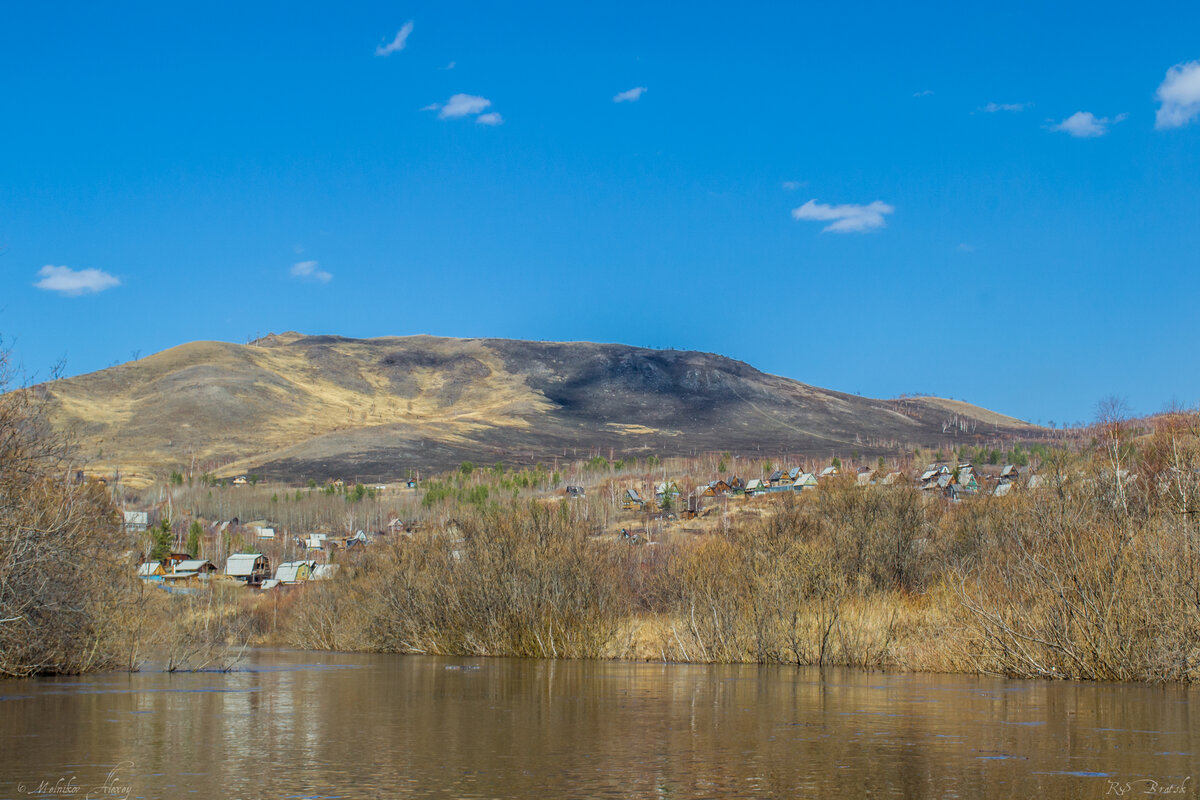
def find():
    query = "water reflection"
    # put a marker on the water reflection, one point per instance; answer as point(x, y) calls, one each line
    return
point(336, 725)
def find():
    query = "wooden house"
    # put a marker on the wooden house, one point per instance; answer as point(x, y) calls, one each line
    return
point(632, 500)
point(174, 559)
point(666, 489)
point(806, 480)
point(250, 568)
point(736, 485)
point(829, 472)
point(295, 571)
point(755, 486)
point(198, 566)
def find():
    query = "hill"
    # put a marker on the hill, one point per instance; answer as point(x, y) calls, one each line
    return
point(294, 407)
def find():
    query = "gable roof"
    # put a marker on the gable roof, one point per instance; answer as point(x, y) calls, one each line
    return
point(194, 565)
point(241, 565)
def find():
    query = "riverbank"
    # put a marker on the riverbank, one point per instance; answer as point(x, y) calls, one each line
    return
point(1095, 575)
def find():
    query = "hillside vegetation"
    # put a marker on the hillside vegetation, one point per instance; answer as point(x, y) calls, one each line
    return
point(292, 407)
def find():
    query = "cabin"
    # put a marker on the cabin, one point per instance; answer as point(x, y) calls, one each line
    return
point(719, 488)
point(933, 471)
point(241, 480)
point(892, 478)
point(632, 500)
point(736, 485)
point(666, 489)
point(174, 559)
point(865, 477)
point(794, 473)
point(1002, 489)
point(150, 570)
point(295, 572)
point(755, 486)
point(966, 480)
point(775, 477)
point(197, 566)
point(250, 568)
point(829, 472)
point(576, 491)
point(411, 483)
point(806, 480)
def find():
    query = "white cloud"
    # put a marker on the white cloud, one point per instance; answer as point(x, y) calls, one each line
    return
point(1086, 125)
point(923, 93)
point(397, 44)
point(1179, 94)
point(792, 186)
point(72, 282)
point(459, 105)
point(490, 118)
point(630, 95)
point(966, 248)
point(451, 65)
point(848, 218)
point(308, 270)
point(992, 108)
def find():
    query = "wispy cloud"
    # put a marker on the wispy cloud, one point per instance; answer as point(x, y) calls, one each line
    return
point(458, 106)
point(792, 186)
point(847, 218)
point(1086, 125)
point(1179, 94)
point(397, 44)
point(630, 95)
point(490, 118)
point(451, 65)
point(310, 270)
point(923, 93)
point(966, 248)
point(74, 282)
point(992, 108)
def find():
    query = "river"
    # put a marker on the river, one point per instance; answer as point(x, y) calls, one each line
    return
point(291, 724)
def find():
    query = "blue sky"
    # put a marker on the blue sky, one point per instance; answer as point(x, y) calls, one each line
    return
point(1000, 205)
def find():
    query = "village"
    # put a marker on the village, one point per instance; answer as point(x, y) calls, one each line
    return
point(265, 556)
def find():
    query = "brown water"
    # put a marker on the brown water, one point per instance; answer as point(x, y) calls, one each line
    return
point(315, 725)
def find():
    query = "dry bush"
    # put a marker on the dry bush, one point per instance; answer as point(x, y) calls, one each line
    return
point(1096, 577)
point(65, 578)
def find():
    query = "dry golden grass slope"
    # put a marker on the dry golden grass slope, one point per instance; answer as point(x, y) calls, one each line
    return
point(293, 407)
